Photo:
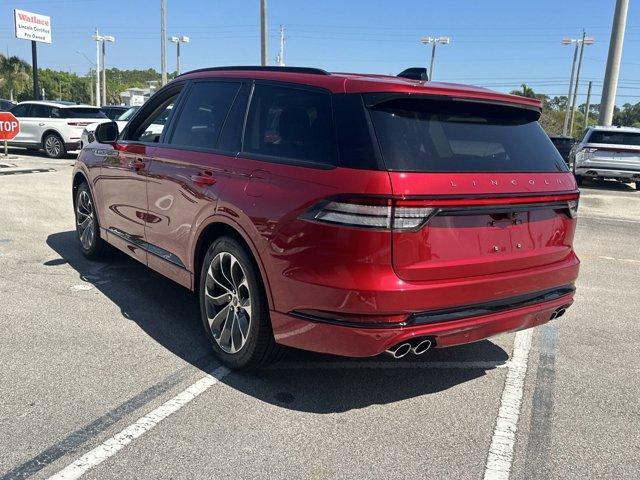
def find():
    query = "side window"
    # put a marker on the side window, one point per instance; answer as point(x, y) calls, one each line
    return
point(55, 113)
point(21, 110)
point(152, 127)
point(40, 111)
point(290, 123)
point(200, 120)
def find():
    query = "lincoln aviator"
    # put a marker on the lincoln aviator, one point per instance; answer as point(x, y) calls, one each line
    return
point(350, 214)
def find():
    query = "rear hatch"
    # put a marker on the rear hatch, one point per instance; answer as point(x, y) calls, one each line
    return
point(479, 188)
point(613, 149)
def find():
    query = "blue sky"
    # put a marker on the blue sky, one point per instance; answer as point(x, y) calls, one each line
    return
point(494, 43)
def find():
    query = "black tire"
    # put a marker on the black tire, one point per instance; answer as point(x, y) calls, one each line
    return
point(637, 185)
point(53, 146)
point(258, 347)
point(579, 180)
point(92, 246)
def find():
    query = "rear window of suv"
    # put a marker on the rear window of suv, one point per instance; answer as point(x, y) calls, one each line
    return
point(81, 112)
point(615, 138)
point(424, 135)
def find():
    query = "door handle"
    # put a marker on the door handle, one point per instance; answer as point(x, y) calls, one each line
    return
point(41, 124)
point(136, 165)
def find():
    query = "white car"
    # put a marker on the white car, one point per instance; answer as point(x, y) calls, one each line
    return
point(122, 120)
point(608, 153)
point(55, 127)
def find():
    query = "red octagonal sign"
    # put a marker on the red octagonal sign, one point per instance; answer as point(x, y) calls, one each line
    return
point(9, 126)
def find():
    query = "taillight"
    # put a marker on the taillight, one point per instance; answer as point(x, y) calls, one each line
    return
point(78, 124)
point(370, 213)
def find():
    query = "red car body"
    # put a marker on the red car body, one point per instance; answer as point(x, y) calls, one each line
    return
point(501, 260)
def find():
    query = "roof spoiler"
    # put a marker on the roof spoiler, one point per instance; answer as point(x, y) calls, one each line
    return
point(415, 73)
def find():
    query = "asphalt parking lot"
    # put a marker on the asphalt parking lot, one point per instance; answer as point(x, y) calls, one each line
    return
point(106, 373)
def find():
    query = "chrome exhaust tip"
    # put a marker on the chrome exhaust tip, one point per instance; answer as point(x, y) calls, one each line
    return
point(421, 347)
point(399, 351)
point(557, 313)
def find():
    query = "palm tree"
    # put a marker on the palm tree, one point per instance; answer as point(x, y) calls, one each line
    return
point(14, 75)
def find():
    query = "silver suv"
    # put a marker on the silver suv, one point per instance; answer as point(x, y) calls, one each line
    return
point(54, 127)
point(608, 153)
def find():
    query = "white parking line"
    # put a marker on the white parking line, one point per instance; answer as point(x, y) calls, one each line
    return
point(116, 443)
point(500, 456)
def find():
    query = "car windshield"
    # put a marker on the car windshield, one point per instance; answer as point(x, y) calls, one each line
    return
point(83, 112)
point(126, 116)
point(615, 137)
point(424, 135)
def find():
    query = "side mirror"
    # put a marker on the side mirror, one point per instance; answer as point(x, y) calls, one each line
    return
point(107, 132)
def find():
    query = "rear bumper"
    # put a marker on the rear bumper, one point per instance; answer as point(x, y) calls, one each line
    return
point(607, 172)
point(75, 145)
point(355, 341)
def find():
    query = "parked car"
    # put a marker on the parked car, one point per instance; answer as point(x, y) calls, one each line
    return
point(54, 127)
point(88, 133)
point(611, 153)
point(564, 146)
point(6, 105)
point(113, 111)
point(340, 213)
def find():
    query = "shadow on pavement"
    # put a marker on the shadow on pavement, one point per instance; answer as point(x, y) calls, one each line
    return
point(303, 381)
point(609, 185)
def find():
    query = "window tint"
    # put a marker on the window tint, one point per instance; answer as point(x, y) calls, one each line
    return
point(151, 128)
point(82, 112)
point(355, 142)
point(40, 111)
point(290, 123)
point(231, 137)
point(201, 118)
point(20, 110)
point(450, 136)
point(615, 138)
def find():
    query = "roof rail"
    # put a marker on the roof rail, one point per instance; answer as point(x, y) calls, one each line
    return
point(414, 73)
point(258, 68)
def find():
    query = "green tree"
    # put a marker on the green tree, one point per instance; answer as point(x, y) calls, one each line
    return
point(15, 77)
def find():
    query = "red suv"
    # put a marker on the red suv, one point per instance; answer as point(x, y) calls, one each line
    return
point(341, 213)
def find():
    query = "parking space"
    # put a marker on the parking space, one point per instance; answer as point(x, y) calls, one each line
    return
point(90, 348)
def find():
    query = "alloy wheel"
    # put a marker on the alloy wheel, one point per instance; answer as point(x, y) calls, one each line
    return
point(228, 302)
point(85, 219)
point(53, 146)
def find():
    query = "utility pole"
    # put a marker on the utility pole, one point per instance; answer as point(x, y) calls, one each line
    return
point(263, 33)
point(163, 40)
point(280, 56)
point(587, 106)
point(610, 86)
point(98, 39)
point(574, 103)
point(104, 75)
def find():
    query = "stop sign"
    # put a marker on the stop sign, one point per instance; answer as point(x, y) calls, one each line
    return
point(9, 126)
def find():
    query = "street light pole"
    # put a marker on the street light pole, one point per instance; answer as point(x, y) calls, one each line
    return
point(565, 126)
point(178, 41)
point(97, 39)
point(573, 85)
point(434, 41)
point(105, 38)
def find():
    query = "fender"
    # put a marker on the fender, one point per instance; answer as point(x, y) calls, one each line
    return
point(237, 227)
